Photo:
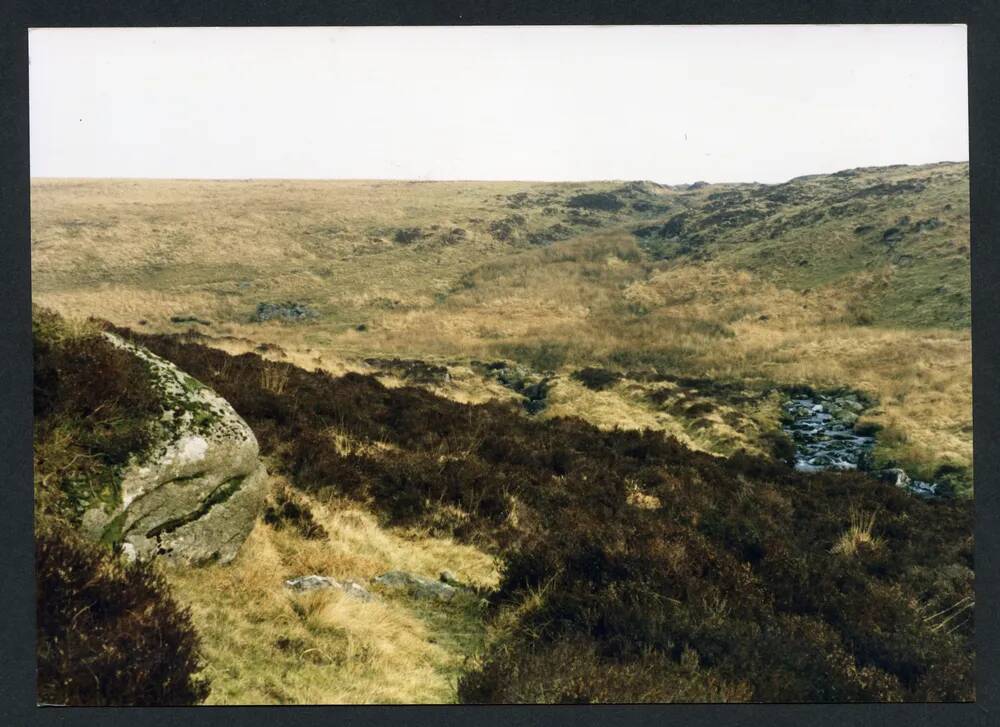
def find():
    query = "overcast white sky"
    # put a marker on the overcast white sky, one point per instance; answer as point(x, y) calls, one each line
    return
point(668, 103)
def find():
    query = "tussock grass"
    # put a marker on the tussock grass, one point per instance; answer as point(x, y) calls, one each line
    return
point(274, 378)
point(858, 536)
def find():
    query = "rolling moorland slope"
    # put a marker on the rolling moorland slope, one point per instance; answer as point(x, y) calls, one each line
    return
point(629, 568)
point(523, 385)
point(858, 279)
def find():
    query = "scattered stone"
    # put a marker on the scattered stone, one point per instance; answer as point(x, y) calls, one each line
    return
point(892, 235)
point(361, 327)
point(416, 585)
point(446, 576)
point(303, 584)
point(356, 590)
point(309, 583)
point(288, 311)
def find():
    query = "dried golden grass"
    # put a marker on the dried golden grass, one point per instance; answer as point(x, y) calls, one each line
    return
point(858, 536)
point(179, 248)
point(264, 645)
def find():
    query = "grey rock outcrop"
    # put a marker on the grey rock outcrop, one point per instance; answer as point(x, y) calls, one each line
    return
point(303, 584)
point(897, 477)
point(286, 311)
point(195, 495)
point(416, 585)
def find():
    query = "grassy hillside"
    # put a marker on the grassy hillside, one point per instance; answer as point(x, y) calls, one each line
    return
point(569, 395)
point(857, 279)
point(265, 646)
point(112, 633)
point(631, 568)
point(897, 235)
point(353, 248)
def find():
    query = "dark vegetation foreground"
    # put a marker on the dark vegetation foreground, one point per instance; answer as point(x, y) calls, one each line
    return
point(634, 569)
point(108, 633)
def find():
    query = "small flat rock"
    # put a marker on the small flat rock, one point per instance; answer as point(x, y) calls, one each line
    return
point(353, 589)
point(310, 583)
point(416, 585)
point(356, 590)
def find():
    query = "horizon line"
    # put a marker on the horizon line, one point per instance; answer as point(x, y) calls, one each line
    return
point(412, 180)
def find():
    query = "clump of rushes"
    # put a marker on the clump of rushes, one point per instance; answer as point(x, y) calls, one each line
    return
point(273, 378)
point(858, 537)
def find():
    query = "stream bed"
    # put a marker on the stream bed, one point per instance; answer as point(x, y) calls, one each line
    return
point(826, 436)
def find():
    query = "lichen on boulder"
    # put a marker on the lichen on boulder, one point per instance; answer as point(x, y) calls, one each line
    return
point(194, 495)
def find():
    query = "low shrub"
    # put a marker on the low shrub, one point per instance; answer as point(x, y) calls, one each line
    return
point(93, 404)
point(109, 634)
point(407, 235)
point(727, 589)
point(604, 201)
point(506, 229)
point(285, 508)
point(597, 379)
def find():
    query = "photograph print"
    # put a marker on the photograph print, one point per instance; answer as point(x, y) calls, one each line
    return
point(501, 365)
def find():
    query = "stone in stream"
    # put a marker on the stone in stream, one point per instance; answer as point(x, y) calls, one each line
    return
point(825, 436)
point(821, 429)
point(923, 489)
point(895, 476)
